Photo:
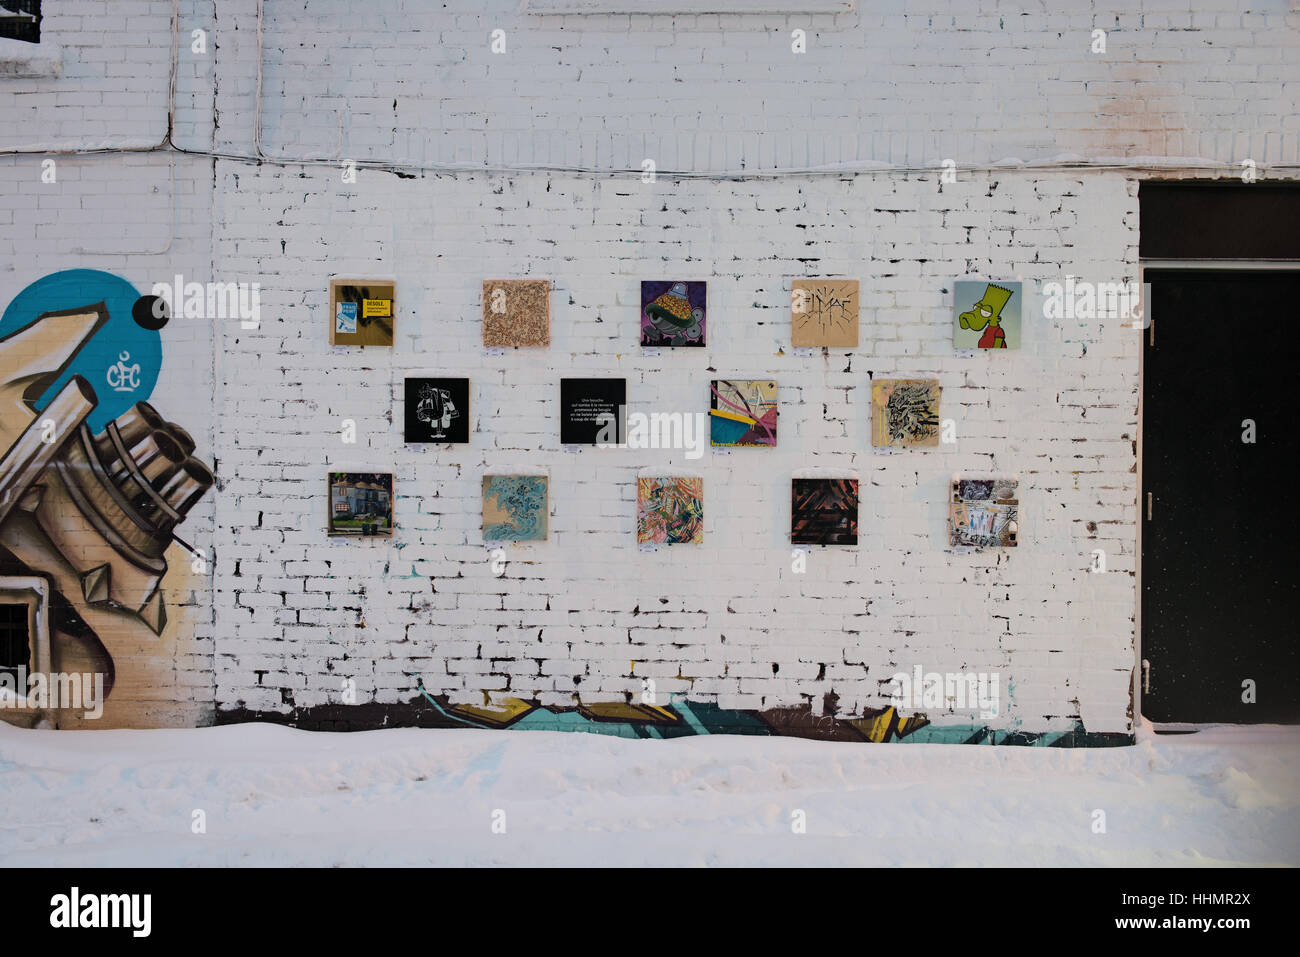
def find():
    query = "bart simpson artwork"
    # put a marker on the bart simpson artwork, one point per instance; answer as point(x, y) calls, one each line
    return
point(987, 315)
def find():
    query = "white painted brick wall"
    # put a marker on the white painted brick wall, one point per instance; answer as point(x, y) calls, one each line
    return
point(396, 80)
point(113, 84)
point(730, 618)
point(892, 82)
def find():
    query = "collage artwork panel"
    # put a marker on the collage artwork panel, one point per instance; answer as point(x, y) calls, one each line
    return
point(984, 512)
point(669, 511)
point(361, 312)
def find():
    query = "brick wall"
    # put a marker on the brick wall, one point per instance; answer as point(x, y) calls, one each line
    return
point(893, 82)
point(292, 614)
point(586, 612)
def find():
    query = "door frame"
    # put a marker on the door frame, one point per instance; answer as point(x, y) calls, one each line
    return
point(1169, 265)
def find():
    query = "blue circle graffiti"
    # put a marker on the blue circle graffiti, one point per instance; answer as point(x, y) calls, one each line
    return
point(121, 361)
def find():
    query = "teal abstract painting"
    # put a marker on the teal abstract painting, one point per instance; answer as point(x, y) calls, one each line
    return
point(514, 508)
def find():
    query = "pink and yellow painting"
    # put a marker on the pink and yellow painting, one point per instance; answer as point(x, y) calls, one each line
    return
point(669, 511)
point(742, 412)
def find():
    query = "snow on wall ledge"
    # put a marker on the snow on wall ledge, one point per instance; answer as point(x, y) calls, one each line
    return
point(418, 629)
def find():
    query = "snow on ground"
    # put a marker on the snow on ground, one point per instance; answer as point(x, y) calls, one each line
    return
point(276, 796)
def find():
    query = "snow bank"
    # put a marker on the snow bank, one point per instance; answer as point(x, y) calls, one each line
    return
point(276, 796)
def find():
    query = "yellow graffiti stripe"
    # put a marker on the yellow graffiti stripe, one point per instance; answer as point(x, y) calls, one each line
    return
point(735, 417)
point(881, 727)
point(501, 712)
point(624, 711)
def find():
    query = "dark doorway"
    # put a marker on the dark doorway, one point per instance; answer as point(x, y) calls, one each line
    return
point(1219, 568)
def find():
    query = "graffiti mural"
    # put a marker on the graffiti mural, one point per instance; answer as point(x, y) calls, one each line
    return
point(93, 482)
point(674, 719)
point(680, 718)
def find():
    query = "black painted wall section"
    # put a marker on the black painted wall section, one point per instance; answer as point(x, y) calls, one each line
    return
point(1216, 220)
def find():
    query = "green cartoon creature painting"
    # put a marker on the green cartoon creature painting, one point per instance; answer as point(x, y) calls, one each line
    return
point(995, 314)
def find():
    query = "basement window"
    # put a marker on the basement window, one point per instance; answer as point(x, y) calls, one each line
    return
point(24, 634)
point(15, 638)
point(20, 20)
point(22, 51)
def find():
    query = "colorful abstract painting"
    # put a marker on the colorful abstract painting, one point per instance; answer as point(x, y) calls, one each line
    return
point(984, 512)
point(514, 508)
point(987, 314)
point(361, 312)
point(516, 312)
point(824, 312)
point(437, 410)
point(824, 511)
point(361, 503)
point(742, 412)
point(673, 313)
point(904, 412)
point(669, 511)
